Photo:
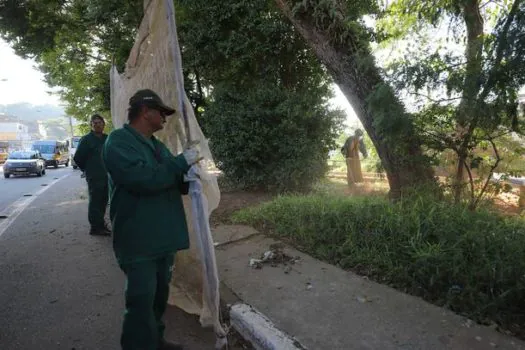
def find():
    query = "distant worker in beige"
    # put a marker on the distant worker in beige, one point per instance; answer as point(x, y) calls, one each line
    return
point(350, 150)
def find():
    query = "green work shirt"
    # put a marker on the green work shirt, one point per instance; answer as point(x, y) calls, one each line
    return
point(88, 157)
point(146, 187)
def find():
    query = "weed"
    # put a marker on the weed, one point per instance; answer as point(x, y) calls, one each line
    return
point(469, 261)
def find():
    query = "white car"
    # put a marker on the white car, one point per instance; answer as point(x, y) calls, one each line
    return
point(73, 144)
point(24, 163)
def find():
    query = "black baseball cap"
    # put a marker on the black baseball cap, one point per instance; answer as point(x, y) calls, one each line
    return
point(149, 98)
point(97, 116)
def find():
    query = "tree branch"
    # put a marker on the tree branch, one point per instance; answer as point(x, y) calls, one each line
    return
point(444, 141)
point(199, 84)
point(96, 58)
point(474, 56)
point(491, 172)
point(491, 2)
point(414, 93)
point(471, 182)
point(500, 49)
point(476, 140)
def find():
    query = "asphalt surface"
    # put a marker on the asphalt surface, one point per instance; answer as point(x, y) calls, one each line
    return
point(60, 287)
point(16, 186)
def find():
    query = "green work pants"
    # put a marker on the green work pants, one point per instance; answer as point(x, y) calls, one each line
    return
point(98, 202)
point(147, 291)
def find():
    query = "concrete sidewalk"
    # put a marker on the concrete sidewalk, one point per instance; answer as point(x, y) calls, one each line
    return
point(325, 307)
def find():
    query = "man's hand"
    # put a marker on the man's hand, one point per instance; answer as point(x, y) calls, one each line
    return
point(192, 155)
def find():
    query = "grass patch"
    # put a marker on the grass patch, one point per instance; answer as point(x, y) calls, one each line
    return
point(470, 262)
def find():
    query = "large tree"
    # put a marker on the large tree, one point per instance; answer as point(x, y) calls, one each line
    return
point(337, 34)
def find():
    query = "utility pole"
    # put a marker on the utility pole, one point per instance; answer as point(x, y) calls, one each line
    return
point(71, 126)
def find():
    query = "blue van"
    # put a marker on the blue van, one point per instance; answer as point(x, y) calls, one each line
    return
point(54, 152)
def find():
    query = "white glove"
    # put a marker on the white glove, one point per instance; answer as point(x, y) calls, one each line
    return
point(192, 155)
point(192, 175)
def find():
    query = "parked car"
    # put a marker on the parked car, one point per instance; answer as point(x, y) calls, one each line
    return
point(24, 163)
point(73, 144)
point(4, 147)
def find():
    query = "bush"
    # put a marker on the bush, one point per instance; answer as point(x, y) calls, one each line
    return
point(270, 138)
point(470, 262)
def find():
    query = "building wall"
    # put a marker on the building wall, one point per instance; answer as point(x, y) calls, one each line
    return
point(42, 130)
point(13, 127)
point(16, 133)
point(8, 136)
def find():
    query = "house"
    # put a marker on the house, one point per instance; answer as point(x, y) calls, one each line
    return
point(17, 134)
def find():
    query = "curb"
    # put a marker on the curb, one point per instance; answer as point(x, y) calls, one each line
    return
point(256, 328)
point(253, 326)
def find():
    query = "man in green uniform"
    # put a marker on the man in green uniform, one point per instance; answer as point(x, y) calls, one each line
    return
point(149, 224)
point(88, 157)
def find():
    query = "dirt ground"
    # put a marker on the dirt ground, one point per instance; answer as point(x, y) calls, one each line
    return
point(234, 200)
point(507, 203)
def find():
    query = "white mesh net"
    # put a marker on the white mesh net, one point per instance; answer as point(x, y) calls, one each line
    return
point(154, 63)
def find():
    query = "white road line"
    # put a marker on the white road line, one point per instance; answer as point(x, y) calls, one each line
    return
point(15, 209)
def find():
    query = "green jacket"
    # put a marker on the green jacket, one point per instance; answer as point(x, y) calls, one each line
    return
point(88, 157)
point(145, 184)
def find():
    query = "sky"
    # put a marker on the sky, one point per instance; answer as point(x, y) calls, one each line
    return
point(341, 102)
point(20, 81)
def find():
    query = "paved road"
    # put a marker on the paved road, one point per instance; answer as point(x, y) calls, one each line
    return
point(14, 188)
point(61, 288)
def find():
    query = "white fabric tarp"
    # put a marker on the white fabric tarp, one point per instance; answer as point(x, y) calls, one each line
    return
point(155, 63)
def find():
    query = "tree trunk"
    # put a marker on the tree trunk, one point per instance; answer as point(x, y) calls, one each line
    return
point(459, 181)
point(353, 68)
point(468, 116)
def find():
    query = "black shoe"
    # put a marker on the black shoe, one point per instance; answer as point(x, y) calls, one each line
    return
point(166, 345)
point(100, 231)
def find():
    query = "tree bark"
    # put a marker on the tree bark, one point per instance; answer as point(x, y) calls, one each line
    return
point(468, 115)
point(353, 68)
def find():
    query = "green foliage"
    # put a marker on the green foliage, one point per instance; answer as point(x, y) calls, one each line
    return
point(470, 262)
point(512, 151)
point(242, 40)
point(373, 162)
point(270, 138)
point(266, 109)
